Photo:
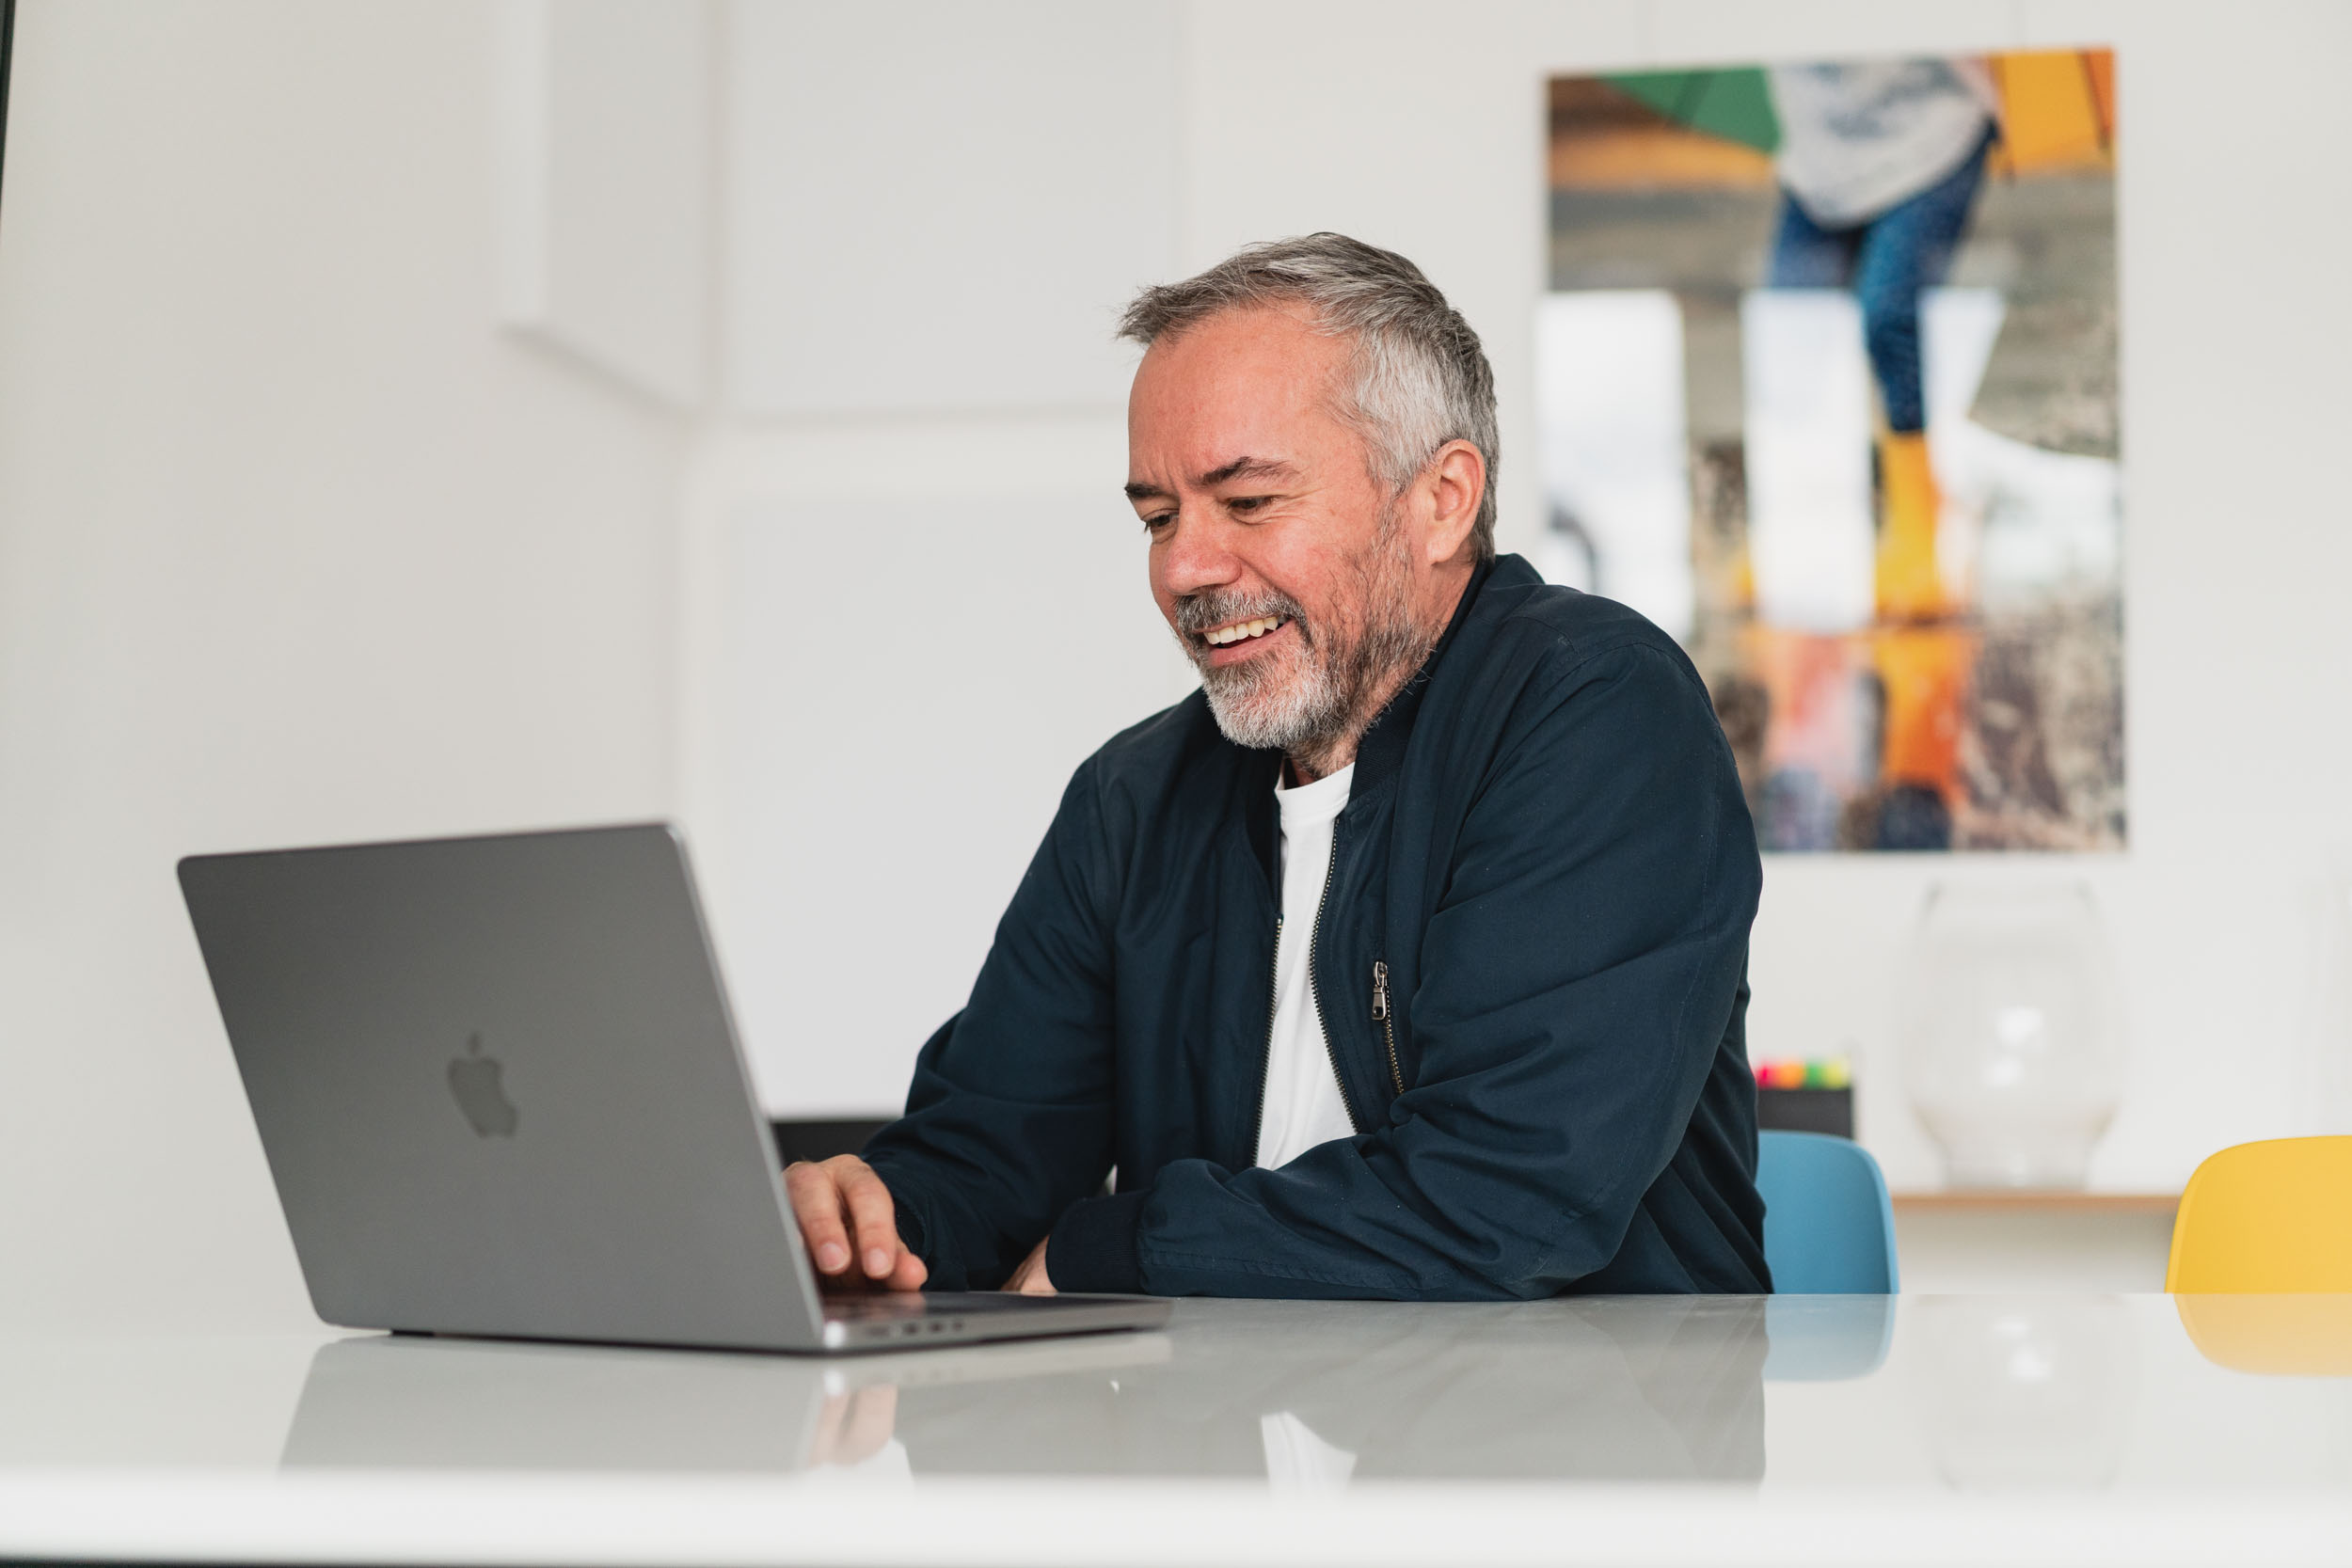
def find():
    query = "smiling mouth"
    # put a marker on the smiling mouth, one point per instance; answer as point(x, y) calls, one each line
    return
point(1243, 631)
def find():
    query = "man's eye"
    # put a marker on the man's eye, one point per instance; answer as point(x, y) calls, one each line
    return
point(1157, 522)
point(1247, 503)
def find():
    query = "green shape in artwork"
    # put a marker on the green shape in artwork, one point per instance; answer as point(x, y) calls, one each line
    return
point(1735, 105)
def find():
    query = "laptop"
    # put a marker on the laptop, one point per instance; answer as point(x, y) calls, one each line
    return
point(501, 1094)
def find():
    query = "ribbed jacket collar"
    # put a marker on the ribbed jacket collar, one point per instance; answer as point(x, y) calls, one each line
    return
point(1382, 750)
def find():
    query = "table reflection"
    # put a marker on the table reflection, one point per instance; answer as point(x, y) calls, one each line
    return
point(2298, 1335)
point(1305, 1395)
point(1312, 1394)
point(2027, 1391)
point(418, 1402)
point(1827, 1338)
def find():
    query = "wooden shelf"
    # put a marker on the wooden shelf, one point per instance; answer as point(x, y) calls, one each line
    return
point(2002, 1201)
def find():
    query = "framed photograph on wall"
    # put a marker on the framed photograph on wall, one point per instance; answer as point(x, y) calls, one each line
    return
point(1827, 388)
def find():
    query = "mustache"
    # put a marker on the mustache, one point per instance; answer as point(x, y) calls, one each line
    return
point(1198, 612)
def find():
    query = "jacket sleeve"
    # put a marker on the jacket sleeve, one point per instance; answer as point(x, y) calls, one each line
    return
point(1009, 1119)
point(1576, 978)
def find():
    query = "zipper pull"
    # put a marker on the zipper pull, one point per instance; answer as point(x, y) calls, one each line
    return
point(1379, 990)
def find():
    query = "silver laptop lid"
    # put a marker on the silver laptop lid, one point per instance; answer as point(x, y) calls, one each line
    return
point(499, 1089)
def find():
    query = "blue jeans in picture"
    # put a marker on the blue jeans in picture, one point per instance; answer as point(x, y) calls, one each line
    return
point(1886, 260)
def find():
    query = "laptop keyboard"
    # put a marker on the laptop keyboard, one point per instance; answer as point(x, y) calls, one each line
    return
point(902, 1305)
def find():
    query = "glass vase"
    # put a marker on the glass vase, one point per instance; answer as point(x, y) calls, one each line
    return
point(2012, 1051)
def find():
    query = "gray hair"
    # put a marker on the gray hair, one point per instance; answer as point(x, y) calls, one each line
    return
point(1421, 379)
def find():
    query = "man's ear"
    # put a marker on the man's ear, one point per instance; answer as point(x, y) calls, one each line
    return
point(1457, 482)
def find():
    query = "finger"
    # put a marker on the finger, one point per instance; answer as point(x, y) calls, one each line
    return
point(910, 1274)
point(876, 1219)
point(817, 1203)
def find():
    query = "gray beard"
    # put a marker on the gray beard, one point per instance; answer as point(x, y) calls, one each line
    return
point(1314, 703)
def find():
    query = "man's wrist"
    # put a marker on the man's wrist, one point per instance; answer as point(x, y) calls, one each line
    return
point(1093, 1246)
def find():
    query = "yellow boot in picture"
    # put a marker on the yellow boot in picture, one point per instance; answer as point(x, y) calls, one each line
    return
point(1910, 583)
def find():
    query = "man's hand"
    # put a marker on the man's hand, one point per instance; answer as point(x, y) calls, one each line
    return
point(840, 1203)
point(1030, 1279)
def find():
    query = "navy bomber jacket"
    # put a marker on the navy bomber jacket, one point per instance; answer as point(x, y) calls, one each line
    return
point(1530, 968)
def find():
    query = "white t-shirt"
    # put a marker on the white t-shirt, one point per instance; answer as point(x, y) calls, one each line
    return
point(1303, 1107)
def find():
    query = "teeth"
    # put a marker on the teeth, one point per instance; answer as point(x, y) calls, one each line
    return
point(1239, 630)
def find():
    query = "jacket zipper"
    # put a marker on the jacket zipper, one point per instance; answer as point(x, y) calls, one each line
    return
point(1382, 1016)
point(1314, 938)
point(1265, 1069)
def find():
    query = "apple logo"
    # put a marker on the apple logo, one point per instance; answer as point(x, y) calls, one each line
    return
point(473, 1082)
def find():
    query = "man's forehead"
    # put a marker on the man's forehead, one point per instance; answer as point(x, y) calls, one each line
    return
point(1246, 396)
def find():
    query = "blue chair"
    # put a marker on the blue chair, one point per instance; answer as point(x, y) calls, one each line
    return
point(1828, 1227)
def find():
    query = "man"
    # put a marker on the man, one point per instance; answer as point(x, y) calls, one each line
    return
point(1407, 957)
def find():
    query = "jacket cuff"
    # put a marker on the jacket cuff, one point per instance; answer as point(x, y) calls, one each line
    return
point(909, 1208)
point(1092, 1246)
point(910, 1222)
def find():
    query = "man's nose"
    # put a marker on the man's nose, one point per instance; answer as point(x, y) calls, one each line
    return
point(1196, 556)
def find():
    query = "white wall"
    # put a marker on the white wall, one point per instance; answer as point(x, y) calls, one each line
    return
point(1420, 126)
point(294, 546)
point(917, 596)
point(913, 668)
point(941, 207)
point(608, 133)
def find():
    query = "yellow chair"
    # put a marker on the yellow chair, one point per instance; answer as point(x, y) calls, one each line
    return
point(2267, 1217)
point(2261, 1258)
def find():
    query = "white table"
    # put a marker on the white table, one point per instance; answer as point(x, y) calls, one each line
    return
point(1813, 1430)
